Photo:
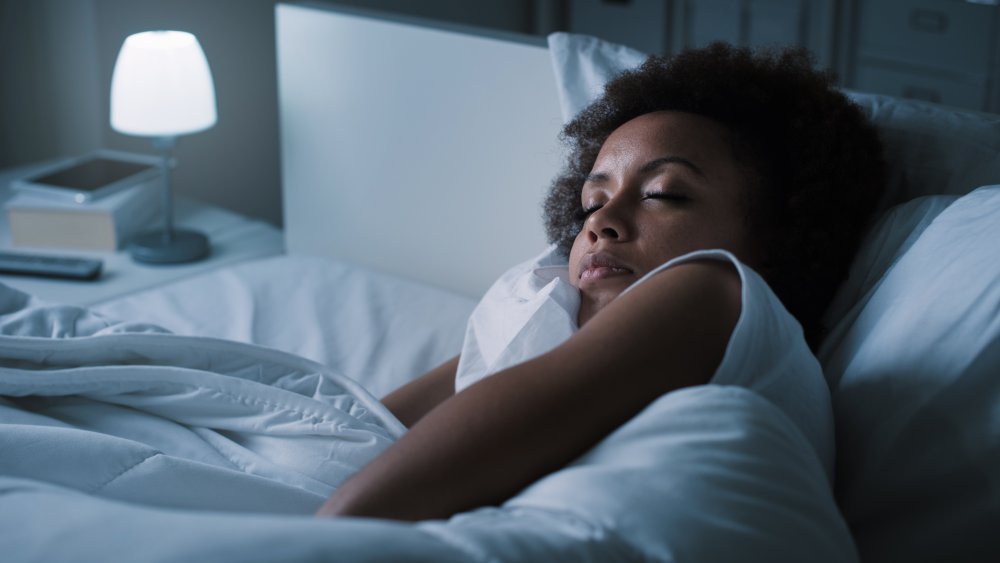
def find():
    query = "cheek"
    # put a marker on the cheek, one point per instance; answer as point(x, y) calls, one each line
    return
point(576, 252)
point(663, 237)
point(667, 238)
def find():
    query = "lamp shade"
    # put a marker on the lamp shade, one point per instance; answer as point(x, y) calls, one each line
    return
point(162, 86)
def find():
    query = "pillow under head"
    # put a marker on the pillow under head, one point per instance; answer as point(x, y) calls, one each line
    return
point(932, 149)
point(914, 368)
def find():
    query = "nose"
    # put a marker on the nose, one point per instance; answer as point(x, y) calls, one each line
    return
point(608, 222)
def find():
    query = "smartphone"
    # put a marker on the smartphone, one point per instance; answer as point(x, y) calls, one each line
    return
point(89, 177)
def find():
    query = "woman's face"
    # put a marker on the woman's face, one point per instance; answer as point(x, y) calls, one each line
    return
point(664, 184)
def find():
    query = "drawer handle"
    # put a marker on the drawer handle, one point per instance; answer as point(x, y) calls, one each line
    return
point(929, 21)
point(923, 94)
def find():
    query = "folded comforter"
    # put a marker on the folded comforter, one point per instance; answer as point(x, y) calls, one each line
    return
point(120, 442)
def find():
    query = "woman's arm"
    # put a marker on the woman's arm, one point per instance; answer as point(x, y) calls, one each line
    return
point(482, 446)
point(415, 399)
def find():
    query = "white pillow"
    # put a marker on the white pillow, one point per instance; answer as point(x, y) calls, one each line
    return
point(888, 240)
point(583, 64)
point(915, 374)
point(930, 149)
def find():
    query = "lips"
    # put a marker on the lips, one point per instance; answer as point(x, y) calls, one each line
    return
point(600, 266)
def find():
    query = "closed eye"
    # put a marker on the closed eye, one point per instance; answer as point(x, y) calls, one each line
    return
point(670, 196)
point(586, 212)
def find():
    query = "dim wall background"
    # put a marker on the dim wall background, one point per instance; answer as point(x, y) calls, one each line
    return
point(57, 56)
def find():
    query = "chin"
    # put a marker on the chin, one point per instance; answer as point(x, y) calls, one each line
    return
point(603, 291)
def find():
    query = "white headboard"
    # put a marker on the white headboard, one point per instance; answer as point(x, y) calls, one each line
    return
point(417, 149)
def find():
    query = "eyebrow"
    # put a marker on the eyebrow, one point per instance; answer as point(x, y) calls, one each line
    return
point(651, 166)
point(654, 164)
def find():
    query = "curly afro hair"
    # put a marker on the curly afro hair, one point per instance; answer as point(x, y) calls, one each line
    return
point(819, 170)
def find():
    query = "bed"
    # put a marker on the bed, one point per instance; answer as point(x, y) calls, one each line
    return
point(198, 420)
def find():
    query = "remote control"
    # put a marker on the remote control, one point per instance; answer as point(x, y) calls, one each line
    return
point(49, 266)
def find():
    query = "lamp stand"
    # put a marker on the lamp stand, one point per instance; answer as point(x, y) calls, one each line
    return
point(169, 246)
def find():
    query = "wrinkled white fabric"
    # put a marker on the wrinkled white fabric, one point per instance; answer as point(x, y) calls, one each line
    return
point(176, 421)
point(322, 309)
point(530, 310)
point(158, 447)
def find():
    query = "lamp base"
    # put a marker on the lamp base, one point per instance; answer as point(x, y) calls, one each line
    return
point(185, 246)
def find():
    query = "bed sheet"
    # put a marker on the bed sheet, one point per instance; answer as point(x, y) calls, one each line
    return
point(379, 329)
point(120, 442)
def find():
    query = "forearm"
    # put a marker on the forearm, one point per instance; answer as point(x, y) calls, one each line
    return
point(480, 447)
point(412, 401)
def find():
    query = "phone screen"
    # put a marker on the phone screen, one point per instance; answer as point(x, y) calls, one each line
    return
point(92, 175)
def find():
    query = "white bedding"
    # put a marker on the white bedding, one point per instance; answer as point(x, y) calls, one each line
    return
point(379, 329)
point(158, 447)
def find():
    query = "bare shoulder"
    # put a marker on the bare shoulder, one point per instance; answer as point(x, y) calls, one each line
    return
point(697, 292)
point(695, 283)
point(679, 322)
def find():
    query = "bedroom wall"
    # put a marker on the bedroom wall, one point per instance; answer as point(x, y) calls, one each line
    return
point(56, 59)
point(47, 54)
point(57, 56)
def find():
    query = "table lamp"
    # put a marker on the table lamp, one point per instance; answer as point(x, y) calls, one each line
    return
point(161, 88)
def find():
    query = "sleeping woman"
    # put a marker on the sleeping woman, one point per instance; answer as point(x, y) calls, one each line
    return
point(709, 208)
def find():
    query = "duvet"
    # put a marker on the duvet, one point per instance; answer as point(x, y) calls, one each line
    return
point(121, 442)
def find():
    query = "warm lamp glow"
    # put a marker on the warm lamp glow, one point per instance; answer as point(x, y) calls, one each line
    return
point(162, 86)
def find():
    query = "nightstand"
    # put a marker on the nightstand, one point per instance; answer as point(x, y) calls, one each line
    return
point(234, 238)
